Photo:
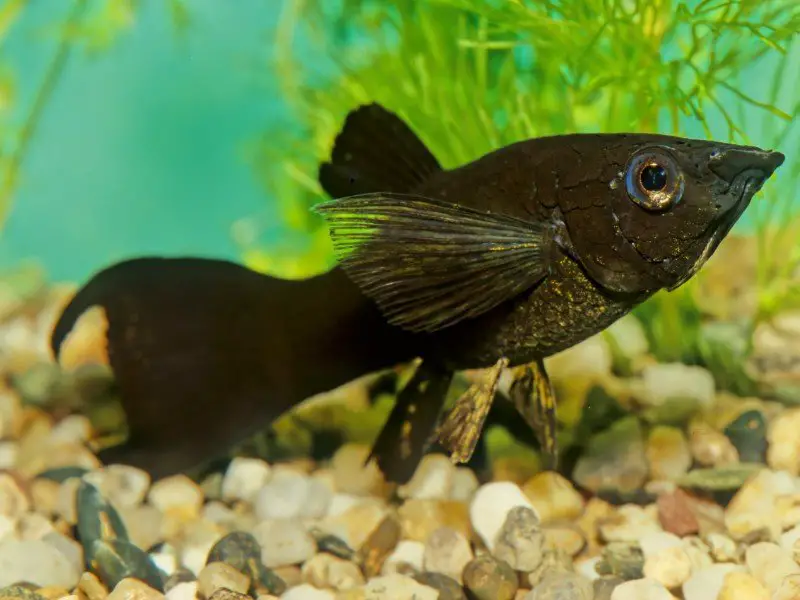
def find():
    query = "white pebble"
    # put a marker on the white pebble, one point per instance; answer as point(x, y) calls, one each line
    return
point(282, 498)
point(464, 485)
point(176, 493)
point(307, 592)
point(407, 554)
point(123, 485)
point(706, 583)
point(283, 543)
point(769, 563)
point(654, 542)
point(36, 562)
point(71, 429)
point(244, 478)
point(491, 504)
point(642, 589)
point(186, 590)
point(432, 479)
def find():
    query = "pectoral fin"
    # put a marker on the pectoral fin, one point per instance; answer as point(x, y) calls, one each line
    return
point(429, 264)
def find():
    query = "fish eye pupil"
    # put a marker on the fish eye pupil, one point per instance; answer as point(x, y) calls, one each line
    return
point(653, 178)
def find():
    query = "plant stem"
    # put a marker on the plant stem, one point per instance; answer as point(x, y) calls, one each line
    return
point(43, 95)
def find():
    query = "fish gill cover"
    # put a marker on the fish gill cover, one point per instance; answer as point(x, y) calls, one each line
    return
point(474, 75)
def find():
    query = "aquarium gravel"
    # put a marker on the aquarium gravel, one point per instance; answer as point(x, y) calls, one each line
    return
point(679, 490)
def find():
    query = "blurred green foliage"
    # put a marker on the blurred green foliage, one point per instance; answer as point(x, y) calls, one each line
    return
point(472, 75)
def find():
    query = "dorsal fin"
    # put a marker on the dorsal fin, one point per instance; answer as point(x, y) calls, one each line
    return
point(376, 151)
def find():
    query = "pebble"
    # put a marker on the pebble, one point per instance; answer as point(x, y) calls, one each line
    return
point(789, 589)
point(487, 578)
point(668, 453)
point(641, 589)
point(283, 543)
point(223, 594)
point(66, 505)
point(562, 586)
point(752, 509)
point(604, 587)
point(706, 584)
point(177, 495)
point(629, 523)
point(133, 589)
point(186, 590)
point(307, 592)
point(115, 560)
point(37, 562)
point(432, 479)
point(563, 537)
point(92, 587)
point(748, 434)
point(284, 497)
point(420, 518)
point(355, 525)
point(407, 558)
point(352, 476)
point(490, 507)
point(397, 587)
point(13, 501)
point(218, 575)
point(448, 588)
point(464, 484)
point(670, 382)
point(520, 541)
point(614, 459)
point(447, 551)
point(243, 478)
point(378, 545)
point(328, 571)
point(711, 448)
point(621, 559)
point(123, 485)
point(553, 496)
point(69, 548)
point(769, 564)
point(783, 437)
point(742, 586)
point(671, 567)
point(72, 429)
point(675, 513)
point(722, 547)
point(144, 524)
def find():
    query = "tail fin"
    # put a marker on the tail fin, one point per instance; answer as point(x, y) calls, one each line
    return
point(376, 152)
point(206, 352)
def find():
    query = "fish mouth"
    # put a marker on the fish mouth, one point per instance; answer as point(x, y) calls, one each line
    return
point(746, 170)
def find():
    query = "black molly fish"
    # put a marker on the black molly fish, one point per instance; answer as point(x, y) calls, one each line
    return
point(498, 263)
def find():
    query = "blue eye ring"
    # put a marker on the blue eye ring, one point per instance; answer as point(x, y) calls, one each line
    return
point(653, 180)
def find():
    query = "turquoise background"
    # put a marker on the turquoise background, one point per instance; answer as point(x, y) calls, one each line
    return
point(141, 149)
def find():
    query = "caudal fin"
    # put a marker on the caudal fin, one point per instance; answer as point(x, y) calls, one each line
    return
point(206, 352)
point(376, 152)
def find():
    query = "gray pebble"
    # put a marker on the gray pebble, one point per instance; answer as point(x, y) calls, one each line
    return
point(115, 560)
point(283, 543)
point(520, 541)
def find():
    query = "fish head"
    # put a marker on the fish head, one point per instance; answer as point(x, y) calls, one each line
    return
point(669, 203)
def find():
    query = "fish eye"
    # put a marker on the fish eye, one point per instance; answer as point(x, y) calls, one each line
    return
point(653, 180)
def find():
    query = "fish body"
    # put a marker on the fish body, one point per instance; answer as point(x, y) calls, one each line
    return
point(515, 256)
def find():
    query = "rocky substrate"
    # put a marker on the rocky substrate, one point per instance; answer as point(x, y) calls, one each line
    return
point(676, 489)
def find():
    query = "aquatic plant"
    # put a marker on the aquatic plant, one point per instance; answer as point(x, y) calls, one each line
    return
point(472, 75)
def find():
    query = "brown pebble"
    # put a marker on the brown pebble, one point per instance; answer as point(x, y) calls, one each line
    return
point(378, 546)
point(487, 578)
point(420, 518)
point(675, 513)
point(291, 575)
